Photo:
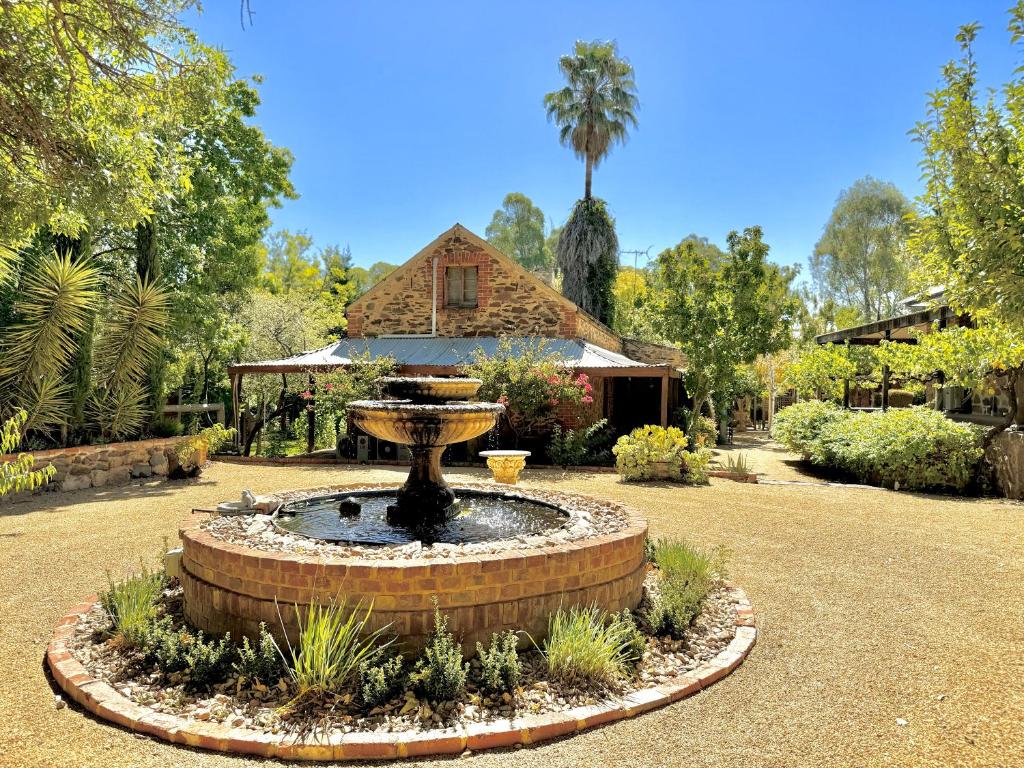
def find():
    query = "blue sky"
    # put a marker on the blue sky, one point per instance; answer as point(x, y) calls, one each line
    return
point(405, 117)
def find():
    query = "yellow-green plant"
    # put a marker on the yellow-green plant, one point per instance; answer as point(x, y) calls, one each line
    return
point(131, 605)
point(688, 575)
point(586, 646)
point(333, 643)
point(212, 438)
point(18, 474)
point(636, 452)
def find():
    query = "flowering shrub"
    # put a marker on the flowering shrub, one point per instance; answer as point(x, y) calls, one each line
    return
point(696, 463)
point(531, 384)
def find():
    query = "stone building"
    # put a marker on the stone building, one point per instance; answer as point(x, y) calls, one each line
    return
point(459, 295)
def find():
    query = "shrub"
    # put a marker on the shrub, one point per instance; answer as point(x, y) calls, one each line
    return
point(213, 437)
point(901, 398)
point(738, 464)
point(688, 575)
point(380, 680)
point(696, 463)
point(636, 641)
point(500, 662)
point(131, 605)
point(576, 447)
point(705, 431)
point(586, 646)
point(333, 643)
point(207, 661)
point(440, 673)
point(636, 452)
point(799, 426)
point(167, 427)
point(260, 661)
point(913, 448)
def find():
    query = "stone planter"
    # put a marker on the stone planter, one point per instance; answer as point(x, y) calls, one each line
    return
point(665, 470)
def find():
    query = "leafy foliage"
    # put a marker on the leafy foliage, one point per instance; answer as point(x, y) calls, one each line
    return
point(589, 446)
point(818, 370)
point(530, 382)
point(637, 452)
point(517, 230)
point(380, 680)
point(131, 605)
point(333, 643)
point(18, 475)
point(260, 661)
point(501, 669)
point(861, 260)
point(588, 257)
point(207, 661)
point(687, 575)
point(440, 673)
point(213, 438)
point(598, 104)
point(913, 448)
point(586, 646)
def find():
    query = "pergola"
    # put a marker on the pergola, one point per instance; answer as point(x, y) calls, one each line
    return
point(900, 328)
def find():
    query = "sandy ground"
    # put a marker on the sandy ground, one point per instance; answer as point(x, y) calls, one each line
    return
point(873, 606)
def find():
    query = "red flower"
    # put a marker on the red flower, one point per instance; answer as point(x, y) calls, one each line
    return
point(588, 388)
point(587, 399)
point(330, 387)
point(307, 395)
point(503, 400)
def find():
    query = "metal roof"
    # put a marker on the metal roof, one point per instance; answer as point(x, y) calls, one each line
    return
point(442, 352)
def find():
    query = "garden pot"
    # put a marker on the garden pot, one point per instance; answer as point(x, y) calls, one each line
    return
point(664, 470)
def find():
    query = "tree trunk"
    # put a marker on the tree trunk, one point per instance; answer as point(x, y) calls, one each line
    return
point(590, 174)
point(1014, 388)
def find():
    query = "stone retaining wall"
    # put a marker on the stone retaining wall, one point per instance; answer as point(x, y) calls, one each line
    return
point(95, 466)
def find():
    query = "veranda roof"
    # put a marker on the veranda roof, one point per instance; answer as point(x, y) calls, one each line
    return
point(442, 354)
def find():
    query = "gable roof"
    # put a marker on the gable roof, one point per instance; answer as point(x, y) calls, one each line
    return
point(508, 263)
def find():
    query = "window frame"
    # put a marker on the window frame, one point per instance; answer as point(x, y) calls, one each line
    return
point(460, 301)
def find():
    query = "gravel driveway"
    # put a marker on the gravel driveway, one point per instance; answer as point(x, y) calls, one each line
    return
point(892, 624)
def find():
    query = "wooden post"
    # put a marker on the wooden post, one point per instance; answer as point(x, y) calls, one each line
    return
point(236, 407)
point(311, 418)
point(664, 399)
point(885, 387)
point(846, 393)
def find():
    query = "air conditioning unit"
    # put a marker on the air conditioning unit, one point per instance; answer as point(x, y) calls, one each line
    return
point(387, 451)
point(363, 448)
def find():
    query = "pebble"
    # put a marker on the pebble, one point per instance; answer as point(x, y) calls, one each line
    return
point(58, 702)
point(201, 714)
point(901, 722)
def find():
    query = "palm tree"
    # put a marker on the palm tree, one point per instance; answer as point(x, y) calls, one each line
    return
point(597, 106)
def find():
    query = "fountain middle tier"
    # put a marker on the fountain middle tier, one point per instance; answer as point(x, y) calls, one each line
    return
point(426, 428)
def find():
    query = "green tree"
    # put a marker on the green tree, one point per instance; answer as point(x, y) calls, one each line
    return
point(517, 230)
point(365, 278)
point(598, 104)
point(861, 260)
point(818, 371)
point(588, 258)
point(722, 310)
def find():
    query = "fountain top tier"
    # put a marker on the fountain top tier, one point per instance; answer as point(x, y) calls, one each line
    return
point(430, 389)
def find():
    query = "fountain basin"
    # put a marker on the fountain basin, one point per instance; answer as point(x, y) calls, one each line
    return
point(231, 587)
point(419, 424)
point(430, 389)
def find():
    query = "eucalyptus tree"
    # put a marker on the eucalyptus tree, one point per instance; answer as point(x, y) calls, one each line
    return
point(861, 260)
point(517, 230)
point(594, 110)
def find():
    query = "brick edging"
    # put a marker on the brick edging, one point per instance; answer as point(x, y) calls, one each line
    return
point(104, 701)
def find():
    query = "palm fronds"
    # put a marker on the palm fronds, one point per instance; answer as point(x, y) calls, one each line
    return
point(120, 411)
point(132, 334)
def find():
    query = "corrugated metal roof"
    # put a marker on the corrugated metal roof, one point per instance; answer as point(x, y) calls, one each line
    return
point(445, 351)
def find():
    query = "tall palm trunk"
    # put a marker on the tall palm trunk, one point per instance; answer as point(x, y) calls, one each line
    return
point(590, 173)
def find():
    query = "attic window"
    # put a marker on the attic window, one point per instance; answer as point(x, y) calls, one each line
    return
point(460, 286)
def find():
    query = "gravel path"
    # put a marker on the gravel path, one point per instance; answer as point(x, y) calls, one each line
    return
point(874, 608)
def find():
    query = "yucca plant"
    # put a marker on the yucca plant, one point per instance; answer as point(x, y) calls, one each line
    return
point(19, 475)
point(333, 642)
point(586, 646)
point(130, 338)
point(55, 306)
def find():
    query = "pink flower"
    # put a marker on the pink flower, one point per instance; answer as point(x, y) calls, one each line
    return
point(553, 402)
point(307, 395)
point(587, 399)
point(503, 400)
point(588, 388)
point(553, 379)
point(330, 387)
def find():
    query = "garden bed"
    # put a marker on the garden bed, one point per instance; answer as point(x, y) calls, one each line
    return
point(97, 672)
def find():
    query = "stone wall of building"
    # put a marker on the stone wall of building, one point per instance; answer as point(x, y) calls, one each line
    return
point(510, 301)
point(95, 466)
point(1006, 453)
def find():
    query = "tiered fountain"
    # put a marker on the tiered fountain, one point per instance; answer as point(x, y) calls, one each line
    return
point(492, 559)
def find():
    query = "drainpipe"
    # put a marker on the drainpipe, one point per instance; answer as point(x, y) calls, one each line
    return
point(433, 310)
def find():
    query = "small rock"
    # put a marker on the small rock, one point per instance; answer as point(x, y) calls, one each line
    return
point(238, 721)
point(901, 722)
point(201, 714)
point(58, 702)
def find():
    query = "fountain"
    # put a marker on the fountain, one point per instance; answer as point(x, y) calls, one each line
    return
point(490, 556)
point(427, 414)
